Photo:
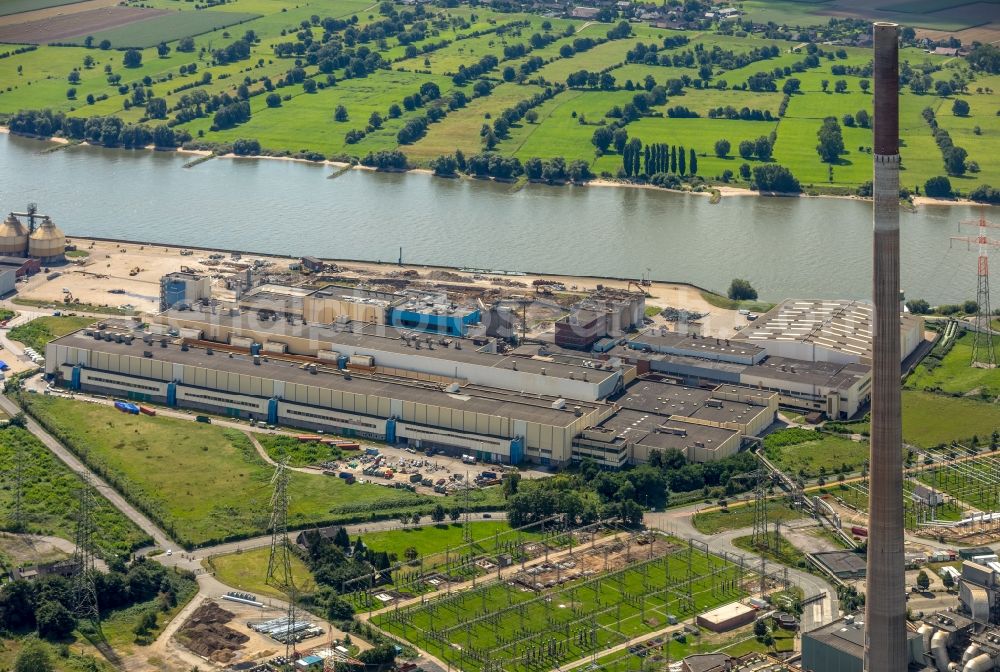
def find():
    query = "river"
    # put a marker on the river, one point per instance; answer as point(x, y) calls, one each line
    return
point(787, 247)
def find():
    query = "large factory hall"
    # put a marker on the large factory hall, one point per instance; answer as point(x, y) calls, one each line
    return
point(422, 372)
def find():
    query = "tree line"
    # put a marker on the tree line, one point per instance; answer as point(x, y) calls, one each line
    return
point(109, 131)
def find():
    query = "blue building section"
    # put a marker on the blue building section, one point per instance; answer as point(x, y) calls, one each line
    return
point(272, 411)
point(173, 291)
point(517, 450)
point(74, 383)
point(171, 394)
point(450, 324)
point(390, 430)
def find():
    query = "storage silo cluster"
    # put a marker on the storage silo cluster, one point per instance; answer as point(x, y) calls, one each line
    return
point(47, 242)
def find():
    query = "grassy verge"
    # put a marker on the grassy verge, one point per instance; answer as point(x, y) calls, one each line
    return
point(431, 540)
point(37, 333)
point(82, 307)
point(51, 500)
point(726, 303)
point(202, 483)
point(737, 517)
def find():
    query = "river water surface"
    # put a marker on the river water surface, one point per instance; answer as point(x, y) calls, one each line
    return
point(787, 247)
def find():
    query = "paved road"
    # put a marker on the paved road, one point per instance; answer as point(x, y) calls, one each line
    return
point(822, 611)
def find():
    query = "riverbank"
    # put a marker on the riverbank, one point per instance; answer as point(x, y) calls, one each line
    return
point(104, 278)
point(722, 189)
point(801, 247)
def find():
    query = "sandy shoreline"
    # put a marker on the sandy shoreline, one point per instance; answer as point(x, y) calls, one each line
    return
point(723, 190)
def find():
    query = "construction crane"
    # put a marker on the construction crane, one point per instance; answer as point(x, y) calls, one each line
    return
point(639, 288)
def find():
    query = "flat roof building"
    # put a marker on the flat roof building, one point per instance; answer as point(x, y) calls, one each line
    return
point(691, 345)
point(727, 617)
point(496, 424)
point(838, 331)
point(184, 289)
point(840, 647)
point(394, 349)
point(704, 425)
point(837, 389)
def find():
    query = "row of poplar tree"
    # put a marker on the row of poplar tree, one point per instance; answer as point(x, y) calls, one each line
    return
point(648, 160)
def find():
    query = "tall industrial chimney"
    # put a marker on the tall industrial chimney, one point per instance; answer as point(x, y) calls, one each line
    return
point(885, 606)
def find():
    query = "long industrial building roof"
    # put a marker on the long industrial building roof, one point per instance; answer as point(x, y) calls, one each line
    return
point(693, 344)
point(840, 325)
point(473, 398)
point(389, 339)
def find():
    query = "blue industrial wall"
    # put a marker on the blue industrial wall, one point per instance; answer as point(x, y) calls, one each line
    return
point(451, 325)
point(173, 292)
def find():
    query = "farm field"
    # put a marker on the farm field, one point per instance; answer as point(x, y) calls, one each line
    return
point(299, 118)
point(63, 28)
point(167, 28)
point(19, 6)
point(509, 624)
point(50, 498)
point(216, 486)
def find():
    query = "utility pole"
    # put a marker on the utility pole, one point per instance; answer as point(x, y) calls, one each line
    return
point(19, 521)
point(279, 564)
point(85, 605)
point(984, 354)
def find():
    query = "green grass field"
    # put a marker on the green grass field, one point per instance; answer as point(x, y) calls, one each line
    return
point(247, 570)
point(203, 483)
point(304, 122)
point(37, 333)
point(930, 419)
point(954, 374)
point(738, 517)
point(168, 27)
point(50, 497)
point(299, 453)
point(500, 622)
point(434, 540)
point(806, 453)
